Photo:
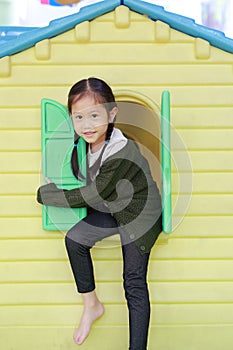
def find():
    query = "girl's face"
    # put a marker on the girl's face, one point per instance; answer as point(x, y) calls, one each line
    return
point(90, 121)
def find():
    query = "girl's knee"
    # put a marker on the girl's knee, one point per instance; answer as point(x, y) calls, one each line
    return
point(71, 240)
point(68, 242)
point(73, 245)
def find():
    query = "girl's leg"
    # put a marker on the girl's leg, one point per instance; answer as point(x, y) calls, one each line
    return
point(79, 240)
point(137, 296)
point(82, 267)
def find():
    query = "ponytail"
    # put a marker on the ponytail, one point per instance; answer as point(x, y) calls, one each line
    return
point(75, 162)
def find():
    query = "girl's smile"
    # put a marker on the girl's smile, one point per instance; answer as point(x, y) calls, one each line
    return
point(89, 134)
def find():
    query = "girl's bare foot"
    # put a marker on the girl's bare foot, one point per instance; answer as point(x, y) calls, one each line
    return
point(90, 314)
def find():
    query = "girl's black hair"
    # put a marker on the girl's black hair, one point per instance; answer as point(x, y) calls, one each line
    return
point(102, 94)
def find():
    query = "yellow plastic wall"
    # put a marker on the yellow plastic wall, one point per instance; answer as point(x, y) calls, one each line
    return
point(190, 276)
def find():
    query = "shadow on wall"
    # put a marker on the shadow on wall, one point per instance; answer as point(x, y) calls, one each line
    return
point(142, 124)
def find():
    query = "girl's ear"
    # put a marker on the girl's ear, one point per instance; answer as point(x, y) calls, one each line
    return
point(112, 114)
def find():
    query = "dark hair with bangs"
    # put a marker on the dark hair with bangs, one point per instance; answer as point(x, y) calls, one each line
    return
point(102, 93)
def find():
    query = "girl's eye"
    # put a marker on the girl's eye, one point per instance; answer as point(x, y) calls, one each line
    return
point(78, 117)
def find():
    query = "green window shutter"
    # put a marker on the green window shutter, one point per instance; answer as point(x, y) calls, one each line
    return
point(57, 145)
point(166, 163)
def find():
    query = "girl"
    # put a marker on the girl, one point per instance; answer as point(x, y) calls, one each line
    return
point(120, 196)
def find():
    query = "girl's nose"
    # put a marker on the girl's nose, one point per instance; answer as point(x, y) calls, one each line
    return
point(86, 123)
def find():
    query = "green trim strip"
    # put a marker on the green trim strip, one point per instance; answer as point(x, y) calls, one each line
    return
point(166, 163)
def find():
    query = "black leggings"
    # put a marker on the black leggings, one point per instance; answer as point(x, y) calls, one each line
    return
point(79, 240)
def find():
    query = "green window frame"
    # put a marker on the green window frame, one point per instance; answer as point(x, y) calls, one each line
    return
point(57, 137)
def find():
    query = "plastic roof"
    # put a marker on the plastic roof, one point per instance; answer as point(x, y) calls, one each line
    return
point(17, 39)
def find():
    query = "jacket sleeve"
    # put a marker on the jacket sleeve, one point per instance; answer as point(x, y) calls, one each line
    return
point(95, 193)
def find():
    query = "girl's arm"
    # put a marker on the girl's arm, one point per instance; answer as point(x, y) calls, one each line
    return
point(95, 193)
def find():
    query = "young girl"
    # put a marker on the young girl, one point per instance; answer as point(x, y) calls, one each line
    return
point(120, 196)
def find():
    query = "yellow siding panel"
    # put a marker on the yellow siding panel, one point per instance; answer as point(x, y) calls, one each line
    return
point(43, 50)
point(203, 160)
point(200, 205)
point(191, 292)
point(189, 270)
point(210, 183)
point(192, 336)
point(197, 248)
point(19, 206)
point(99, 27)
point(65, 293)
point(165, 337)
point(128, 52)
point(19, 184)
point(30, 162)
point(30, 140)
point(25, 227)
point(56, 271)
point(197, 95)
point(123, 74)
point(193, 313)
point(113, 53)
point(30, 96)
point(20, 118)
point(162, 314)
point(5, 67)
point(109, 17)
point(193, 139)
point(119, 53)
point(67, 37)
point(50, 293)
point(40, 249)
point(167, 271)
point(137, 32)
point(220, 182)
point(20, 162)
point(55, 338)
point(198, 226)
point(196, 139)
point(61, 314)
point(181, 248)
point(196, 117)
point(206, 226)
point(82, 32)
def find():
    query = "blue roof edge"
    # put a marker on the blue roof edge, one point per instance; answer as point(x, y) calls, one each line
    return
point(182, 24)
point(28, 38)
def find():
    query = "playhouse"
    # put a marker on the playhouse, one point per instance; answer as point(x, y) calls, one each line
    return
point(140, 50)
